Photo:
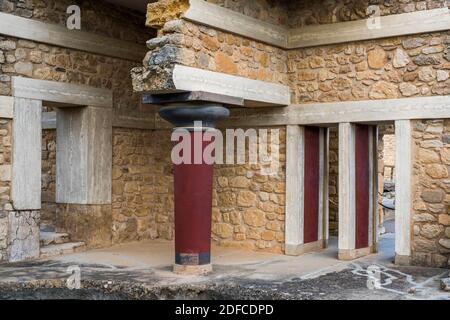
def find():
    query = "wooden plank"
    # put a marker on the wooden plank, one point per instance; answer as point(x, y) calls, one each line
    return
point(23, 28)
point(294, 189)
point(364, 111)
point(26, 164)
point(133, 120)
point(84, 156)
point(63, 93)
point(6, 107)
point(390, 26)
point(403, 201)
point(228, 20)
point(253, 92)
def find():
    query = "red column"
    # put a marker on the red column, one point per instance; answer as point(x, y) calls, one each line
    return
point(193, 203)
point(193, 177)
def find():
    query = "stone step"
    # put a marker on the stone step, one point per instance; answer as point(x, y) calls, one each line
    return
point(48, 238)
point(61, 249)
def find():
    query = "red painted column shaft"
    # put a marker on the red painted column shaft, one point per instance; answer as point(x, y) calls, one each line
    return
point(193, 203)
point(312, 184)
point(362, 178)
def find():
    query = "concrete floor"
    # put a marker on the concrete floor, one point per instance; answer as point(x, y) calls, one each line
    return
point(316, 275)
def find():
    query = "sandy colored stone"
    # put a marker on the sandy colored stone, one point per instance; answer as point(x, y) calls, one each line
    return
point(254, 217)
point(384, 90)
point(445, 156)
point(424, 217)
point(225, 64)
point(431, 231)
point(223, 230)
point(408, 89)
point(162, 11)
point(377, 58)
point(246, 199)
point(444, 219)
point(437, 171)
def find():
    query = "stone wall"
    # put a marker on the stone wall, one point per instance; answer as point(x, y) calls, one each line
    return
point(333, 181)
point(308, 12)
point(431, 193)
point(5, 184)
point(379, 69)
point(389, 157)
point(48, 209)
point(249, 206)
point(181, 42)
point(142, 185)
point(41, 61)
point(99, 17)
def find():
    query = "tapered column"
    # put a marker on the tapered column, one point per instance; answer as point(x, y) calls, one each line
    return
point(193, 175)
point(357, 182)
point(306, 191)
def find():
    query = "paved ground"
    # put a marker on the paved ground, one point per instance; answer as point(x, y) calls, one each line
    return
point(143, 270)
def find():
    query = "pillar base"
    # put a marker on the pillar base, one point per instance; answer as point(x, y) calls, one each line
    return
point(401, 260)
point(190, 270)
point(296, 250)
point(352, 254)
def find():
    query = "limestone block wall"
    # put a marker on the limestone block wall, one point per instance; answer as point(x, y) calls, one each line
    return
point(389, 157)
point(333, 181)
point(142, 189)
point(182, 42)
point(48, 209)
point(304, 12)
point(431, 193)
point(249, 206)
point(5, 185)
point(92, 224)
point(381, 69)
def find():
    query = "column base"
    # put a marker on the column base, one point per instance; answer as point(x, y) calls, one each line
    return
point(401, 260)
point(191, 270)
point(352, 254)
point(299, 249)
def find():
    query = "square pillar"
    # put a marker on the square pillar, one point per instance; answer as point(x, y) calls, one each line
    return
point(306, 189)
point(357, 190)
point(19, 222)
point(403, 191)
point(84, 155)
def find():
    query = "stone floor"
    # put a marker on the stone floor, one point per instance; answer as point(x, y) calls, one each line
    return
point(143, 270)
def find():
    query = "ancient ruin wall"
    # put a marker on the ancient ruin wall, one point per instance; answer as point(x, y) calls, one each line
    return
point(181, 42)
point(306, 12)
point(5, 183)
point(92, 224)
point(431, 193)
